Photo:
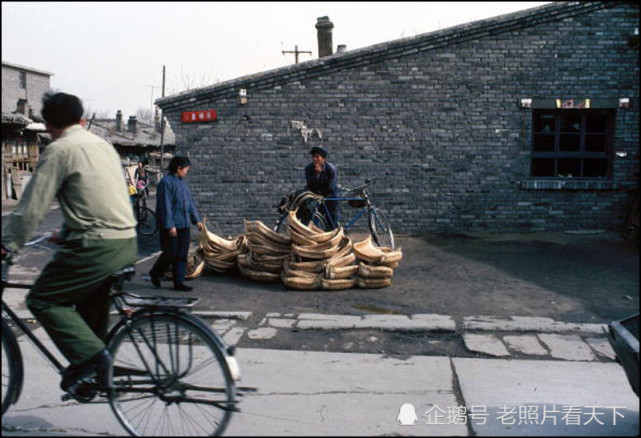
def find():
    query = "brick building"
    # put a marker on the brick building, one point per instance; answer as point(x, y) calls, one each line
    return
point(22, 89)
point(523, 122)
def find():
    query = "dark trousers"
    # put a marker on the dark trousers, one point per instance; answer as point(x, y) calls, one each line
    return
point(174, 253)
point(69, 298)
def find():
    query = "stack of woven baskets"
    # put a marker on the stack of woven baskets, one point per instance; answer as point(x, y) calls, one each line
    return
point(267, 251)
point(220, 254)
point(376, 264)
point(319, 259)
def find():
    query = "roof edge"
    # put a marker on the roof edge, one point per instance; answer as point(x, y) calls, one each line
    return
point(22, 67)
point(406, 46)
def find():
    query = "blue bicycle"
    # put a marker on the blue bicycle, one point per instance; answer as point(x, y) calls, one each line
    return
point(315, 210)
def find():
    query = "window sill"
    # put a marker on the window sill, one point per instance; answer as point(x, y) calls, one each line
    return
point(568, 184)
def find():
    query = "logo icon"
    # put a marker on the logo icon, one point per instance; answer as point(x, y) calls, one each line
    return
point(407, 415)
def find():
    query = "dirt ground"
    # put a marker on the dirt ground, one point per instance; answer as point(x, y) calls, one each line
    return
point(574, 278)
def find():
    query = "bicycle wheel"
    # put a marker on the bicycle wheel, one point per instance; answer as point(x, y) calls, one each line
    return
point(380, 228)
point(170, 378)
point(11, 368)
point(320, 221)
point(282, 223)
point(146, 219)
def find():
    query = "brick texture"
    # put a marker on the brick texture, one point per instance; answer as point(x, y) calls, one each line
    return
point(434, 118)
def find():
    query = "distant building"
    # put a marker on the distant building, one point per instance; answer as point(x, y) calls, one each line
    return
point(133, 138)
point(22, 89)
point(523, 122)
point(22, 132)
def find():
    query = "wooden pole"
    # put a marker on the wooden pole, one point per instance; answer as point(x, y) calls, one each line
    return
point(296, 52)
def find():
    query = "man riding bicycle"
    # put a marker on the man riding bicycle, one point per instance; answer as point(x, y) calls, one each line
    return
point(322, 178)
point(98, 237)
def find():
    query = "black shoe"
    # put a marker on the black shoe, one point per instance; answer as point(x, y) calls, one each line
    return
point(154, 280)
point(183, 287)
point(95, 368)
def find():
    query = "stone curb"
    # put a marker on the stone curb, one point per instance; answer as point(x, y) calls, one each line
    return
point(418, 322)
point(527, 324)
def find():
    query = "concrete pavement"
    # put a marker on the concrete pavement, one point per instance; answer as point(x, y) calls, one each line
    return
point(307, 393)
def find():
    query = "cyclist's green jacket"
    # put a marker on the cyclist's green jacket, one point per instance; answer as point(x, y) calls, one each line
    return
point(84, 173)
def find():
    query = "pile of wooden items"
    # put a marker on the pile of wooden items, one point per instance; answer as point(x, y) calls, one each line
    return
point(306, 258)
point(266, 253)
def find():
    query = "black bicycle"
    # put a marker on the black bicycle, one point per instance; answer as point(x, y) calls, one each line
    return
point(172, 375)
point(145, 217)
point(359, 199)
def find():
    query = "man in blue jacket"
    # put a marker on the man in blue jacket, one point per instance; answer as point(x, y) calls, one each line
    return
point(175, 212)
point(322, 179)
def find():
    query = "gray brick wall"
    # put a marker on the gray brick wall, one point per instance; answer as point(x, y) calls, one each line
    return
point(439, 128)
point(37, 85)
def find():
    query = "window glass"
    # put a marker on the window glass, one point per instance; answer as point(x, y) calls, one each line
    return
point(544, 143)
point(570, 121)
point(543, 167)
point(544, 123)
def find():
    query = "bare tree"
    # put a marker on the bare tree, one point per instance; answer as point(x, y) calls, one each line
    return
point(90, 111)
point(145, 115)
point(190, 81)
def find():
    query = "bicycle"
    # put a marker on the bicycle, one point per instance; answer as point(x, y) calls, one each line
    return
point(359, 198)
point(145, 217)
point(171, 375)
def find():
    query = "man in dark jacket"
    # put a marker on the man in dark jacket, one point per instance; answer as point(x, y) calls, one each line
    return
point(322, 178)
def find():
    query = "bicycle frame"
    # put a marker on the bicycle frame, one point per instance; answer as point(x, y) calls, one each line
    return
point(352, 221)
point(26, 330)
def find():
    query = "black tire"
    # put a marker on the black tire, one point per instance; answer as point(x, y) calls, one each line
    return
point(170, 378)
point(12, 371)
point(320, 221)
point(281, 224)
point(380, 228)
point(146, 219)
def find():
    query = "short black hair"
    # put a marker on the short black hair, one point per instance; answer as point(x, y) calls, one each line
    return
point(177, 162)
point(61, 109)
point(319, 150)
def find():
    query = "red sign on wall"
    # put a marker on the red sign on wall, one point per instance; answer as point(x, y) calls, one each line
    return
point(198, 116)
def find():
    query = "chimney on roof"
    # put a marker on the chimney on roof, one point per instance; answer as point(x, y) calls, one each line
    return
point(119, 121)
point(132, 124)
point(157, 120)
point(324, 27)
point(22, 107)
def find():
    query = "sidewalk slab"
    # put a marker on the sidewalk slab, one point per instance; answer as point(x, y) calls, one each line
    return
point(520, 397)
point(568, 347)
point(528, 323)
point(334, 394)
point(486, 344)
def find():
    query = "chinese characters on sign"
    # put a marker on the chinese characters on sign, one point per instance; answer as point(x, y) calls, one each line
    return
point(198, 116)
point(567, 415)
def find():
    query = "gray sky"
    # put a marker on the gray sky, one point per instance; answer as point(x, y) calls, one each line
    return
point(110, 54)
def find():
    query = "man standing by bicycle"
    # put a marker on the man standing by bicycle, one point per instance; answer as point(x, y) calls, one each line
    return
point(98, 237)
point(322, 179)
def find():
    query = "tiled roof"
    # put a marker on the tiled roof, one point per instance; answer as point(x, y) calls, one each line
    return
point(146, 134)
point(15, 119)
point(393, 49)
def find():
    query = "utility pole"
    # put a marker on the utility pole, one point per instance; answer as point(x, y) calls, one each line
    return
point(296, 52)
point(162, 127)
point(152, 97)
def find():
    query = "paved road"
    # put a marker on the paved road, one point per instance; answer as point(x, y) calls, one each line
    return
point(311, 393)
point(491, 323)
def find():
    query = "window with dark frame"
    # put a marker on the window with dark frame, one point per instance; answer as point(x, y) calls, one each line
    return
point(572, 143)
point(23, 80)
